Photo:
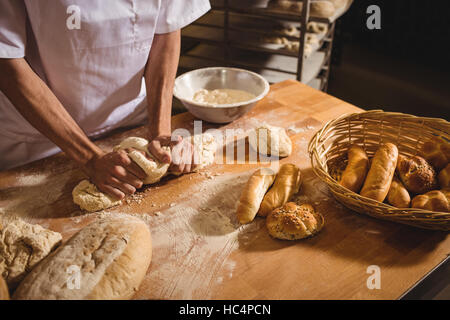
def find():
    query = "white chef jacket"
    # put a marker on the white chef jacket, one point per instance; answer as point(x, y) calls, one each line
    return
point(95, 71)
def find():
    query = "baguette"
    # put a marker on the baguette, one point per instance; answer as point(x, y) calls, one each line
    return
point(110, 257)
point(398, 196)
point(253, 194)
point(287, 182)
point(436, 200)
point(379, 178)
point(355, 173)
point(444, 177)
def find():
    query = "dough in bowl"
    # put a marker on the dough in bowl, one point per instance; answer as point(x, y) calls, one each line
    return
point(271, 141)
point(106, 260)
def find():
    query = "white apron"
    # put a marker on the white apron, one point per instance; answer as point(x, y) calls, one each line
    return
point(95, 71)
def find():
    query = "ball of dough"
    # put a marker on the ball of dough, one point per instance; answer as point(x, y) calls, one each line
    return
point(293, 222)
point(89, 198)
point(270, 140)
point(154, 169)
point(205, 146)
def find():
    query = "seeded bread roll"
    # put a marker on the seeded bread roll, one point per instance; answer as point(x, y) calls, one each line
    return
point(253, 194)
point(436, 200)
point(437, 152)
point(444, 177)
point(287, 182)
point(355, 173)
point(398, 196)
point(293, 222)
point(4, 293)
point(416, 174)
point(106, 260)
point(379, 178)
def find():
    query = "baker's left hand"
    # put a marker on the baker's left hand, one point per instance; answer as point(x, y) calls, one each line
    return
point(182, 153)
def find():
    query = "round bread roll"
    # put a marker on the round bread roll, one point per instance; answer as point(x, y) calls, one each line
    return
point(270, 141)
point(437, 152)
point(4, 293)
point(107, 260)
point(293, 222)
point(416, 174)
point(436, 200)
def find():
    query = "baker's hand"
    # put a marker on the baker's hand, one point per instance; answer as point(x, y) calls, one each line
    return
point(115, 173)
point(182, 153)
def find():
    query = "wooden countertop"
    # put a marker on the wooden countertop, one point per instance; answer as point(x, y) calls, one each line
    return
point(199, 252)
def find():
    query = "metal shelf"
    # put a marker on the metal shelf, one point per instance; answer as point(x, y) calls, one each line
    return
point(221, 40)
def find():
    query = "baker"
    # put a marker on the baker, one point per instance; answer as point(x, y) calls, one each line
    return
point(71, 71)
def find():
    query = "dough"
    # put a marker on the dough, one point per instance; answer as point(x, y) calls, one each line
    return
point(110, 256)
point(153, 168)
point(270, 140)
point(22, 246)
point(89, 198)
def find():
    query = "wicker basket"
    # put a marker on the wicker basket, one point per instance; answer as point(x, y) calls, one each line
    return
point(329, 146)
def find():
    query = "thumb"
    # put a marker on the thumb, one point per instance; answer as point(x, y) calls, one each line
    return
point(158, 152)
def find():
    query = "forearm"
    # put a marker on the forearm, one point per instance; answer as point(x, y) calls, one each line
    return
point(160, 74)
point(40, 107)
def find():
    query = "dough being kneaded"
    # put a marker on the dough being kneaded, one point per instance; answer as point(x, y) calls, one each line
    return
point(154, 169)
point(89, 198)
point(271, 141)
point(22, 246)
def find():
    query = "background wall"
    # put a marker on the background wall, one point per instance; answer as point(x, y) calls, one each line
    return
point(402, 67)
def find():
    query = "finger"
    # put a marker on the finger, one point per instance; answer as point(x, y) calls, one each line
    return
point(113, 192)
point(122, 186)
point(131, 179)
point(121, 158)
point(136, 171)
point(158, 152)
point(175, 140)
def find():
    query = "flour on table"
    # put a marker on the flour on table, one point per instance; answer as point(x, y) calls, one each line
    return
point(192, 240)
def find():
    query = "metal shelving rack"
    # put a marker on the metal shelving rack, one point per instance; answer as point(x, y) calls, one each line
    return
point(228, 46)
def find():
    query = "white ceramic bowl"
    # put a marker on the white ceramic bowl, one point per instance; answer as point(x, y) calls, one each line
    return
point(189, 83)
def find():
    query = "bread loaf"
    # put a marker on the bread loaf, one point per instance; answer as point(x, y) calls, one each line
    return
point(22, 247)
point(108, 259)
point(287, 182)
point(355, 173)
point(293, 222)
point(4, 293)
point(436, 200)
point(381, 172)
point(416, 174)
point(398, 196)
point(444, 177)
point(437, 152)
point(253, 194)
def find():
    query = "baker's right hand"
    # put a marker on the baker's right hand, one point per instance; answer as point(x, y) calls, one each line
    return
point(115, 173)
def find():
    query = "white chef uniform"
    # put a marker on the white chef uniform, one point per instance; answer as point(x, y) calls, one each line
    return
point(95, 71)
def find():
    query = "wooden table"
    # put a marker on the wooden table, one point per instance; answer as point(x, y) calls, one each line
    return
point(194, 260)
